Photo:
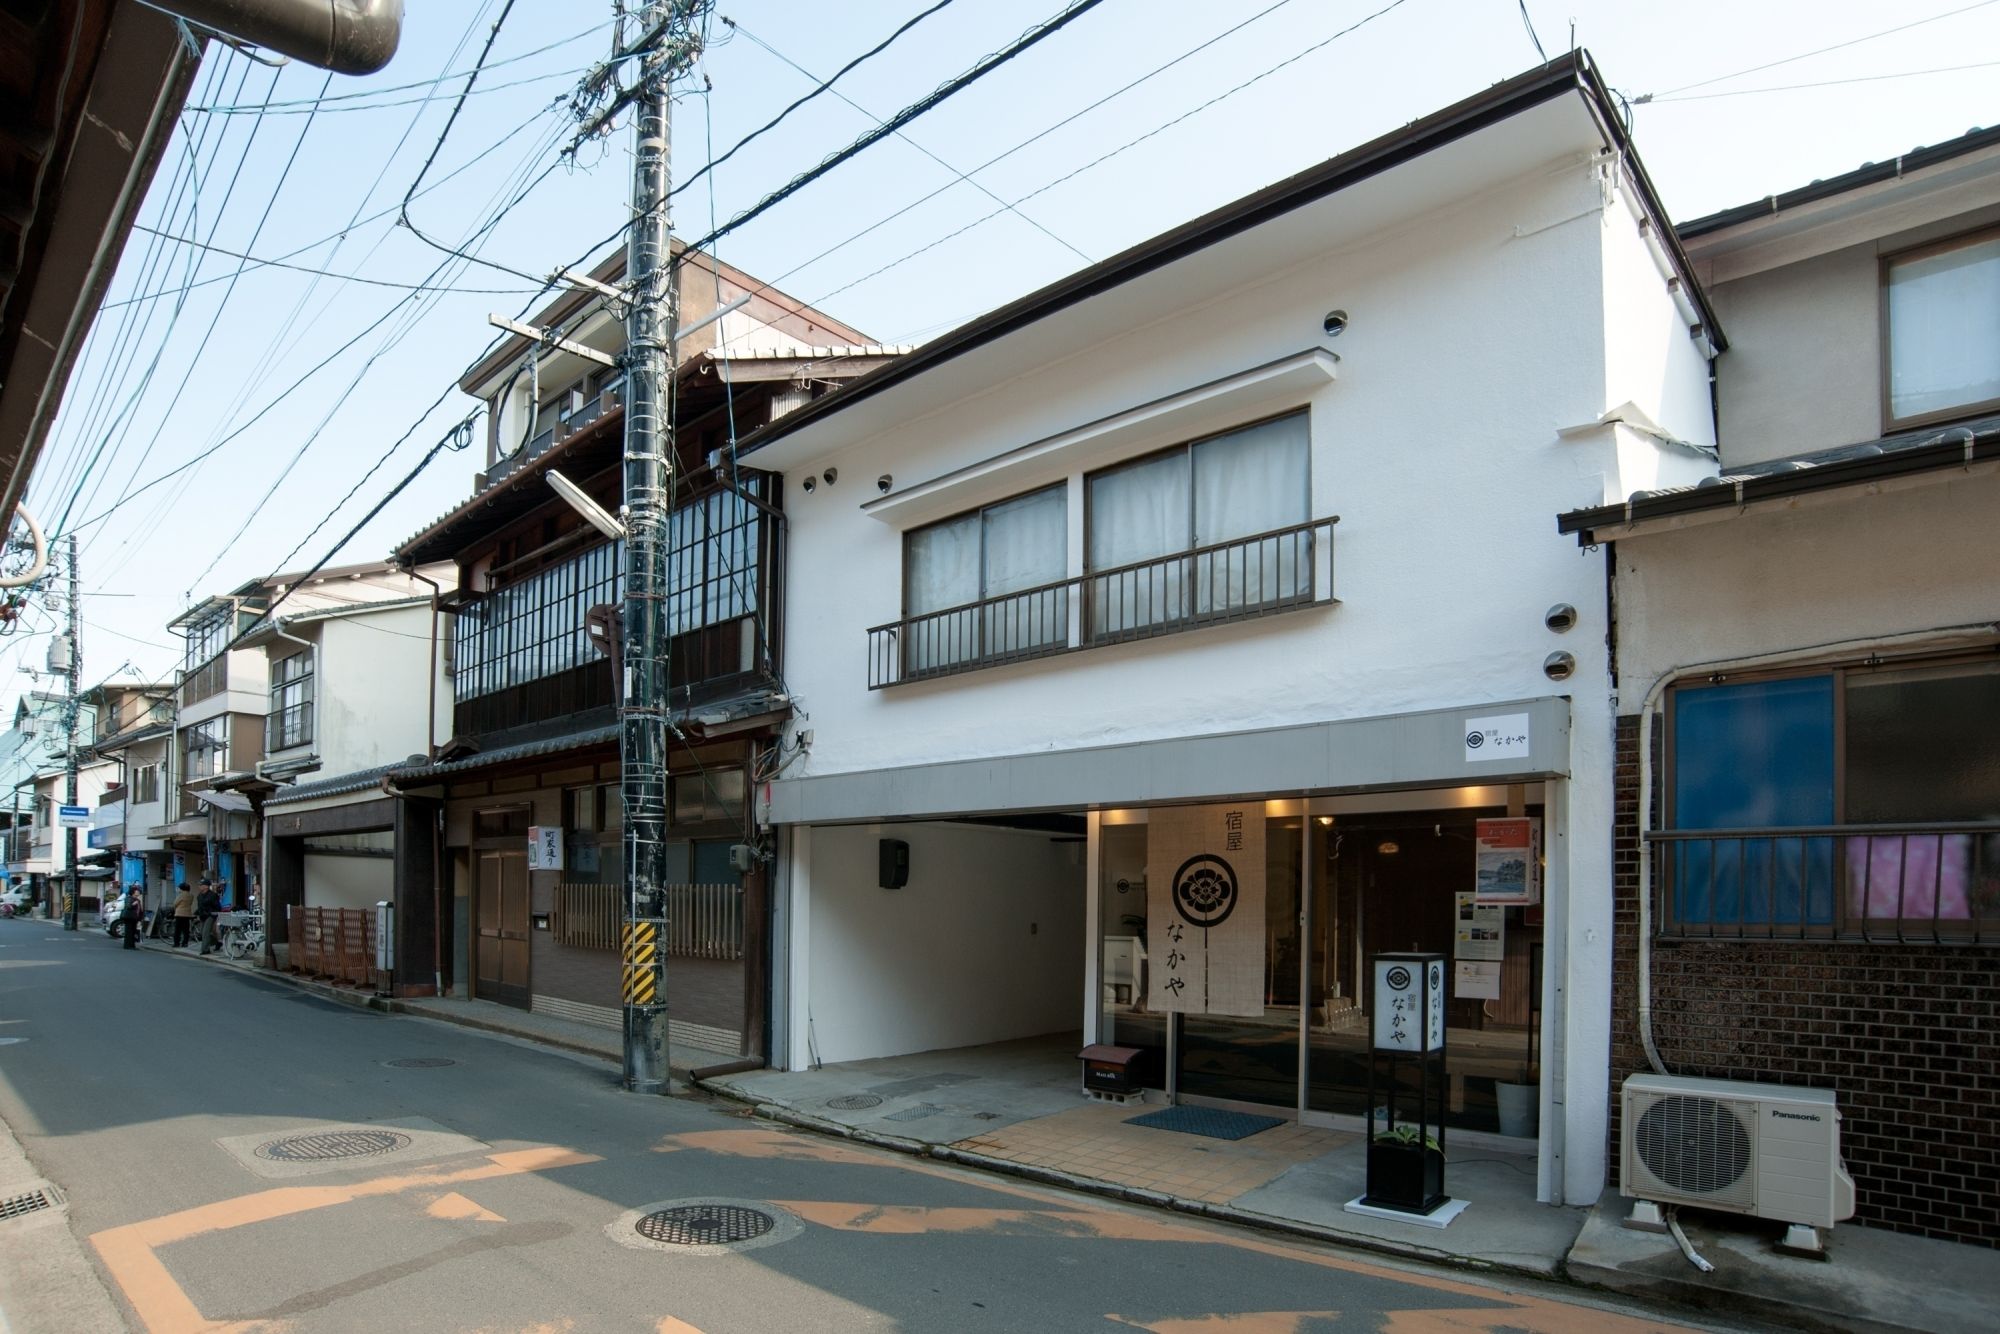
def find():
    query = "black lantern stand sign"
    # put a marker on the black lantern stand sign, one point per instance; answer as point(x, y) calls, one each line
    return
point(1406, 1055)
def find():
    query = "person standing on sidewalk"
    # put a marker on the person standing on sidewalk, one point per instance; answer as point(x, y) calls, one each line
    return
point(207, 907)
point(135, 908)
point(183, 915)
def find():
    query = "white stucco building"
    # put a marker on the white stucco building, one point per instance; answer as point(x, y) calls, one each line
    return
point(1244, 537)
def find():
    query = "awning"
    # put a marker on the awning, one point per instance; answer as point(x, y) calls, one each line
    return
point(192, 826)
point(224, 801)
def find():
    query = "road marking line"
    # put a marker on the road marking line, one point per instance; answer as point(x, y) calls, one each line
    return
point(457, 1206)
point(130, 1252)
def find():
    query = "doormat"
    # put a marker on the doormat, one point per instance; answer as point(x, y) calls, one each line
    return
point(1210, 1121)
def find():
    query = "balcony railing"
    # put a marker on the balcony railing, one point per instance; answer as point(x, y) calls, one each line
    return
point(610, 398)
point(1286, 569)
point(1929, 884)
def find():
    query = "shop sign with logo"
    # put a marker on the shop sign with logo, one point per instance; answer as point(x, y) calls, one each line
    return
point(1205, 909)
point(1409, 1003)
point(1505, 736)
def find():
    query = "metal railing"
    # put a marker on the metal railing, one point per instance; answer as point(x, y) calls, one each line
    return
point(609, 399)
point(705, 921)
point(1932, 883)
point(1260, 575)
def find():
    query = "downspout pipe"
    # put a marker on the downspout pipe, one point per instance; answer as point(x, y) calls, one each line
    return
point(1975, 633)
point(345, 36)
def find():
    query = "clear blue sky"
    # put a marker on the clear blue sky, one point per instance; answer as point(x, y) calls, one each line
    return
point(1709, 141)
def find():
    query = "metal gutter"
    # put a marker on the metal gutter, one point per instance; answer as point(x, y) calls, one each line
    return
point(1572, 72)
point(1959, 448)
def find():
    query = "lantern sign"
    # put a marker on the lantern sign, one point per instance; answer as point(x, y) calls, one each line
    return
point(1409, 1003)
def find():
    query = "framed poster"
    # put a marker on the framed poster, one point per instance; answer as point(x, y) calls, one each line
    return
point(1509, 861)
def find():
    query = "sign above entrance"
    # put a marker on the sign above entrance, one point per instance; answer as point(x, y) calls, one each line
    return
point(1504, 736)
point(1205, 909)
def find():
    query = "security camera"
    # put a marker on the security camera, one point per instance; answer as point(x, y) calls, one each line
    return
point(830, 476)
point(807, 485)
point(884, 482)
point(1335, 323)
point(1560, 617)
point(1559, 666)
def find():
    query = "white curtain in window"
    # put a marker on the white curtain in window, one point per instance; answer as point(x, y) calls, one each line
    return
point(1139, 513)
point(1249, 482)
point(941, 565)
point(1027, 546)
point(1944, 330)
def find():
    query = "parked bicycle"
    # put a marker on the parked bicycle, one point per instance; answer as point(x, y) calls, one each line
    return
point(244, 937)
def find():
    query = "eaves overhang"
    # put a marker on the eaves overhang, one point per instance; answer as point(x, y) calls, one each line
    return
point(1570, 74)
point(1973, 444)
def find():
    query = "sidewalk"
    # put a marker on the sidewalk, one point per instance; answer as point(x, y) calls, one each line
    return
point(1003, 1109)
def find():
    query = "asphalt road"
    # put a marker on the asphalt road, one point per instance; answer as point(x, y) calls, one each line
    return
point(504, 1179)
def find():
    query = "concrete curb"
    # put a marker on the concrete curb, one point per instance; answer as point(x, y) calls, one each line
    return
point(474, 1022)
point(1219, 1213)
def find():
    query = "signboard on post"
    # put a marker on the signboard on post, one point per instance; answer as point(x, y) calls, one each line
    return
point(73, 817)
point(1205, 909)
point(1409, 1003)
point(545, 847)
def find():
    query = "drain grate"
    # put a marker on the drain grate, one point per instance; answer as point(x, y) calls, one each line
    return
point(324, 1146)
point(704, 1224)
point(34, 1201)
point(422, 1062)
point(853, 1102)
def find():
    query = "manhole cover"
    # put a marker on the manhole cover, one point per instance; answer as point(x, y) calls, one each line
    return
point(705, 1224)
point(34, 1201)
point(853, 1102)
point(422, 1062)
point(326, 1145)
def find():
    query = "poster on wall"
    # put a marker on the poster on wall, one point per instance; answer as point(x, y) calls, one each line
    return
point(1480, 929)
point(1205, 909)
point(1509, 860)
point(545, 848)
point(1475, 981)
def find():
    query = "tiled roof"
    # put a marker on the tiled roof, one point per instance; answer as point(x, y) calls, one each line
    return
point(526, 750)
point(358, 781)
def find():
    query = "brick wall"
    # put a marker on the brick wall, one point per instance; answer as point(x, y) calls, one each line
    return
point(1906, 1036)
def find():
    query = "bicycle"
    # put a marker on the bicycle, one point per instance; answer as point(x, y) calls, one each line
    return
point(243, 938)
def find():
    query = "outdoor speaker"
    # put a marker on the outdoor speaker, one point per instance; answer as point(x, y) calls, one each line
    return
point(895, 863)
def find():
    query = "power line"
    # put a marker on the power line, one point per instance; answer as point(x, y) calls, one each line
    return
point(824, 86)
point(439, 97)
point(904, 137)
point(1828, 83)
point(255, 262)
point(1529, 24)
point(421, 83)
point(1807, 55)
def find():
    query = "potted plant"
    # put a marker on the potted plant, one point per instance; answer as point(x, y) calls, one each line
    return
point(1405, 1170)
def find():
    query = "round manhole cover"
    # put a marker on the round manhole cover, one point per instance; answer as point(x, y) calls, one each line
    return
point(325, 1146)
point(853, 1102)
point(423, 1062)
point(705, 1224)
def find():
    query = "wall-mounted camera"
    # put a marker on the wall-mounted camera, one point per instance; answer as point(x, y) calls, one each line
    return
point(830, 476)
point(1560, 617)
point(1335, 323)
point(884, 482)
point(808, 484)
point(1559, 666)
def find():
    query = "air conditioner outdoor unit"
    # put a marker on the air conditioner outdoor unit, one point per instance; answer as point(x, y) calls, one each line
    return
point(1760, 1149)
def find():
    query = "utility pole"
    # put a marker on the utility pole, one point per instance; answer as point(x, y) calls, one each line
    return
point(73, 662)
point(650, 328)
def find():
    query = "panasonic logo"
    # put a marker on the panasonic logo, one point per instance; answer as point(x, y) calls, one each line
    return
point(1795, 1116)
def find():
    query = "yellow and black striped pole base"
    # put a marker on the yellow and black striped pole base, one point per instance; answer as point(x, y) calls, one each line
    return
point(641, 974)
point(642, 977)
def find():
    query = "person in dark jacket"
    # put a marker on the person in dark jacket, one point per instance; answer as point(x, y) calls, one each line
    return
point(135, 908)
point(183, 915)
point(207, 907)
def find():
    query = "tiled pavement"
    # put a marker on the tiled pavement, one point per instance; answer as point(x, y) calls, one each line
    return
point(1098, 1142)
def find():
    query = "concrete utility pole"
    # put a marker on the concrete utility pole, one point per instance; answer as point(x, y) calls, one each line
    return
point(74, 664)
point(668, 29)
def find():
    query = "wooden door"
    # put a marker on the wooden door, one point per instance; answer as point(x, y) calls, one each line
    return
point(501, 962)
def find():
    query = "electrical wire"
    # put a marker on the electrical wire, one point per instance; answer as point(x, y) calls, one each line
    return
point(439, 97)
point(1829, 83)
point(823, 86)
point(1529, 24)
point(1807, 55)
point(254, 262)
point(963, 176)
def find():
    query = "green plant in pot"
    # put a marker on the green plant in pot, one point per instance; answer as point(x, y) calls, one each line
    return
point(1405, 1169)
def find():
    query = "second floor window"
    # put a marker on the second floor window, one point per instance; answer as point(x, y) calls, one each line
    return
point(1943, 330)
point(145, 784)
point(1014, 547)
point(291, 717)
point(1200, 500)
point(206, 746)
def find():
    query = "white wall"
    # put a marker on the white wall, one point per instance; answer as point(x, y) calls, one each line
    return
point(347, 882)
point(142, 816)
point(1898, 562)
point(985, 943)
point(371, 693)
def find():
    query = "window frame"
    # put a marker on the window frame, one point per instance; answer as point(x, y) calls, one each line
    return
point(215, 738)
point(145, 784)
point(1886, 333)
point(292, 700)
point(980, 512)
point(1846, 925)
